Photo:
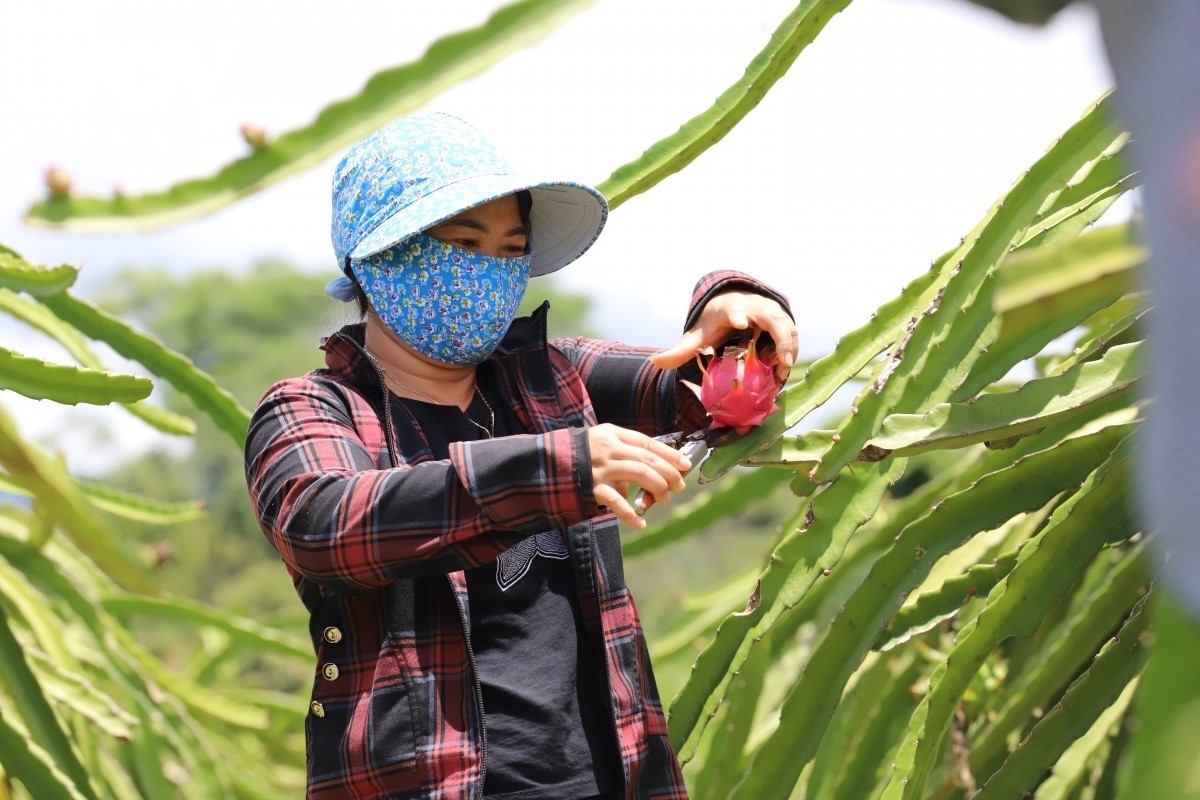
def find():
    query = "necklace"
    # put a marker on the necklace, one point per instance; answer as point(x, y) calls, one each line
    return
point(490, 430)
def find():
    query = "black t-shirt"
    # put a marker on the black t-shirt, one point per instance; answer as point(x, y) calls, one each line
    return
point(547, 711)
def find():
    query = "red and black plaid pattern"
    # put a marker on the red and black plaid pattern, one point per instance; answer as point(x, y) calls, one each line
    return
point(375, 534)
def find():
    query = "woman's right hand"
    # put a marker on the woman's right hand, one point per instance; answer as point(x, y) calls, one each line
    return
point(621, 457)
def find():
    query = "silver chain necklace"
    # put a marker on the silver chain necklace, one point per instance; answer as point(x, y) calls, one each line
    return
point(490, 430)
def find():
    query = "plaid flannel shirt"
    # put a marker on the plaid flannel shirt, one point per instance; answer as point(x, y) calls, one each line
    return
point(376, 534)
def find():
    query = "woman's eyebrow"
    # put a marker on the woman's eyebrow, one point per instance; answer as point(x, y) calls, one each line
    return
point(476, 225)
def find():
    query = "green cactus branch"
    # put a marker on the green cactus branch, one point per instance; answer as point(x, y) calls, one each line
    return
point(61, 501)
point(40, 318)
point(1029, 277)
point(1034, 405)
point(865, 763)
point(1048, 293)
point(1022, 487)
point(27, 762)
point(1108, 169)
point(1094, 691)
point(48, 575)
point(198, 698)
point(821, 601)
point(722, 765)
point(1076, 767)
point(18, 275)
point(1103, 330)
point(25, 693)
point(244, 632)
point(672, 154)
point(939, 345)
point(68, 384)
point(177, 730)
point(1030, 12)
point(176, 369)
point(824, 599)
point(708, 610)
point(1000, 416)
point(1093, 517)
point(168, 732)
point(1073, 646)
point(933, 607)
point(1069, 222)
point(137, 507)
point(851, 722)
point(731, 498)
point(147, 756)
point(937, 349)
point(162, 733)
point(448, 61)
point(100, 710)
point(27, 607)
point(799, 561)
point(126, 505)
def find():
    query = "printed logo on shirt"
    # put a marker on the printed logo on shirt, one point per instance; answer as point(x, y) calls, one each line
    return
point(514, 563)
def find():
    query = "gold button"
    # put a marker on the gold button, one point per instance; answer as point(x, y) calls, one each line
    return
point(333, 635)
point(330, 671)
point(318, 710)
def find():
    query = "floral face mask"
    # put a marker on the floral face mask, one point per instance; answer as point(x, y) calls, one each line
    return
point(450, 304)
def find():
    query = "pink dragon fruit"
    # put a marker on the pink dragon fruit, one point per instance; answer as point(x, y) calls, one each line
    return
point(739, 389)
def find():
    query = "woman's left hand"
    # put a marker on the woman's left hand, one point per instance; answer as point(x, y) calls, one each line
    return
point(728, 313)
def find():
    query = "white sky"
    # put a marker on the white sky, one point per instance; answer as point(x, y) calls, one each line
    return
point(887, 140)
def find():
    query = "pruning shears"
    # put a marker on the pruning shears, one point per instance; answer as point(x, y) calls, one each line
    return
point(695, 445)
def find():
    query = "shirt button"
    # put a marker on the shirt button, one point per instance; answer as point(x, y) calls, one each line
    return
point(333, 635)
point(330, 671)
point(318, 710)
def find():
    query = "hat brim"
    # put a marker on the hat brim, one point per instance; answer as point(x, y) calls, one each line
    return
point(566, 217)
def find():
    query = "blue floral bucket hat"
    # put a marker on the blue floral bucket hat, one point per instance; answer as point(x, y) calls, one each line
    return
point(420, 170)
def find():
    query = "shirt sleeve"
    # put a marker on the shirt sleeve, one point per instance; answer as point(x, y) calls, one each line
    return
point(336, 518)
point(623, 386)
point(728, 280)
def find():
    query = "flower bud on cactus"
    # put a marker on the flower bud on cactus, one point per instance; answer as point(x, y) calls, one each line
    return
point(739, 389)
point(255, 136)
point(58, 182)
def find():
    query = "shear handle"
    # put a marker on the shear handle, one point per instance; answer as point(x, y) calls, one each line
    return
point(692, 446)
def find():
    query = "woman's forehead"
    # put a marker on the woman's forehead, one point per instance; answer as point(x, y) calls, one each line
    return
point(501, 212)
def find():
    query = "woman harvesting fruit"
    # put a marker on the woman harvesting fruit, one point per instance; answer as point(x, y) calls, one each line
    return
point(446, 492)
